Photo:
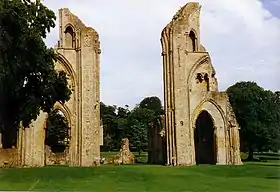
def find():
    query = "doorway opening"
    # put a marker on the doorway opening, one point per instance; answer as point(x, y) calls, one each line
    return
point(205, 150)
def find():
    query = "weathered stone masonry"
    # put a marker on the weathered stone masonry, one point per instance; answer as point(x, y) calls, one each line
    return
point(190, 87)
point(78, 52)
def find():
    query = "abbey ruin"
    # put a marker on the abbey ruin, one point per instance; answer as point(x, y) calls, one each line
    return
point(200, 125)
point(78, 52)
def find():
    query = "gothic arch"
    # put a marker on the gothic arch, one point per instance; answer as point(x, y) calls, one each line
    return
point(201, 61)
point(70, 36)
point(219, 122)
point(199, 113)
point(69, 25)
point(194, 31)
point(65, 110)
point(199, 108)
point(205, 138)
point(68, 68)
point(192, 40)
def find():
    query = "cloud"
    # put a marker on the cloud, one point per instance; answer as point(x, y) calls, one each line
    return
point(242, 39)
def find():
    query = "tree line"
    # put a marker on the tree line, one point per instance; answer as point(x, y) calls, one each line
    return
point(119, 122)
point(29, 83)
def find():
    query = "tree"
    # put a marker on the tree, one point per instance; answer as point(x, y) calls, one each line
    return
point(28, 80)
point(152, 103)
point(258, 114)
point(57, 131)
point(139, 121)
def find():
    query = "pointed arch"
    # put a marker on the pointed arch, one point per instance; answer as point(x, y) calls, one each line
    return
point(199, 108)
point(204, 139)
point(202, 60)
point(68, 68)
point(70, 36)
point(65, 110)
point(193, 41)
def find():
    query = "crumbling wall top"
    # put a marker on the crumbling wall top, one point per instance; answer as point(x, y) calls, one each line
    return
point(184, 14)
point(67, 18)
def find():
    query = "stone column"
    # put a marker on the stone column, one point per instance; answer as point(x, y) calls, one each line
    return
point(236, 152)
point(33, 149)
point(90, 152)
point(166, 76)
point(220, 146)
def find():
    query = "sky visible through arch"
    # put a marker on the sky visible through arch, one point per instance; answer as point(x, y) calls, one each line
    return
point(242, 37)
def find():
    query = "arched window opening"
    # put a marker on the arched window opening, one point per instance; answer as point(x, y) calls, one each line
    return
point(206, 78)
point(199, 78)
point(70, 38)
point(205, 150)
point(192, 38)
point(57, 131)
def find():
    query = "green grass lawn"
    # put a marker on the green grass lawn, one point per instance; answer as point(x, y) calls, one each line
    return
point(252, 177)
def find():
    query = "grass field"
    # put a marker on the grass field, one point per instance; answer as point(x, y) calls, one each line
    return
point(252, 177)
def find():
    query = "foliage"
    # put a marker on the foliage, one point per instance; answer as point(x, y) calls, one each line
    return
point(258, 114)
point(119, 122)
point(139, 121)
point(152, 103)
point(114, 125)
point(28, 80)
point(56, 130)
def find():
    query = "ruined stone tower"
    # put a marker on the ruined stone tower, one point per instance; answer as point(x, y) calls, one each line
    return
point(200, 126)
point(79, 51)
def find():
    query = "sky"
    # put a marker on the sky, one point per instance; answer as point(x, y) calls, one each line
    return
point(241, 36)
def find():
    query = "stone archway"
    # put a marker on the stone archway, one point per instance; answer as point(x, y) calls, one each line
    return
point(57, 138)
point(204, 139)
point(78, 55)
point(190, 86)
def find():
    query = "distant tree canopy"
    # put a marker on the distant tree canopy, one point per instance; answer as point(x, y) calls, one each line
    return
point(152, 103)
point(28, 80)
point(119, 122)
point(258, 114)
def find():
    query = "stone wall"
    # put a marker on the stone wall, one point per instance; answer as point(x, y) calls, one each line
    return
point(190, 87)
point(31, 142)
point(9, 157)
point(79, 48)
point(78, 51)
point(55, 158)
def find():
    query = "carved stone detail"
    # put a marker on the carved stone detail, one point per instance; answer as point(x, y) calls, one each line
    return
point(82, 69)
point(193, 74)
point(87, 41)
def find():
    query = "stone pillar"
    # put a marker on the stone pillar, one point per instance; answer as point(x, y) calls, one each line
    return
point(33, 144)
point(236, 153)
point(169, 100)
point(90, 153)
point(221, 146)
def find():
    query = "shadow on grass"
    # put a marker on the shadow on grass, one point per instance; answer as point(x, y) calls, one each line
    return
point(273, 177)
point(271, 165)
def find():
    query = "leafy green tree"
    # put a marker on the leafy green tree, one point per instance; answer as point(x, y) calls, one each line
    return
point(139, 121)
point(57, 131)
point(107, 110)
point(28, 80)
point(258, 114)
point(152, 103)
point(108, 115)
point(123, 112)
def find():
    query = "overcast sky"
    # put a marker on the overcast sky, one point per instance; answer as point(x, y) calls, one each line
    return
point(242, 37)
